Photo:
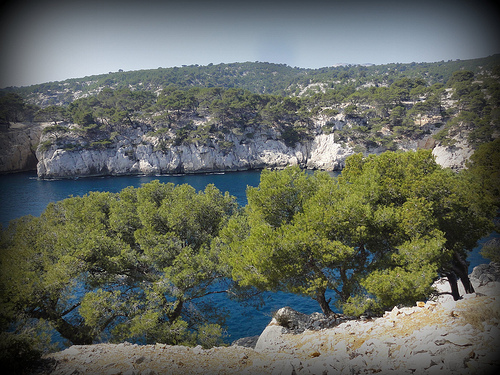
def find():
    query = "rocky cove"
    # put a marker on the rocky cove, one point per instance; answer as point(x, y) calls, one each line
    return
point(100, 139)
point(439, 336)
point(134, 151)
point(321, 153)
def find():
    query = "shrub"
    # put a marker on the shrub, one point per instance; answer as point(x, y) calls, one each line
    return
point(225, 146)
point(491, 250)
point(44, 146)
point(18, 353)
point(101, 144)
point(54, 128)
point(442, 136)
point(90, 127)
point(71, 146)
point(210, 335)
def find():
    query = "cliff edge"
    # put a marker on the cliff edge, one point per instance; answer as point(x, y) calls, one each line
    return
point(439, 336)
point(17, 147)
point(136, 151)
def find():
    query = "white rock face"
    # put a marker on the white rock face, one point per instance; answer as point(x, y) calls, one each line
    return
point(326, 154)
point(453, 157)
point(262, 151)
point(136, 152)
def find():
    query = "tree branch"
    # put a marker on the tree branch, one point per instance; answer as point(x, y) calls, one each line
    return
point(70, 309)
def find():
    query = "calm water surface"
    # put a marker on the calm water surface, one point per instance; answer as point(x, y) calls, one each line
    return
point(23, 194)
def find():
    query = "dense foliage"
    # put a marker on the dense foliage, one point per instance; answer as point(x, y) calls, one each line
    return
point(142, 264)
point(257, 77)
point(13, 108)
point(175, 117)
point(366, 107)
point(137, 265)
point(377, 237)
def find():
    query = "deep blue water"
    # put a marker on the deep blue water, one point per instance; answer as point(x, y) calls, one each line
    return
point(23, 194)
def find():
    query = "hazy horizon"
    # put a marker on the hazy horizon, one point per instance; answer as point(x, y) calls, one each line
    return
point(52, 40)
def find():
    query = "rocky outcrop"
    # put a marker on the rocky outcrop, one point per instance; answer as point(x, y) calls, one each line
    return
point(17, 147)
point(437, 336)
point(138, 153)
point(135, 150)
point(440, 336)
point(327, 155)
point(454, 157)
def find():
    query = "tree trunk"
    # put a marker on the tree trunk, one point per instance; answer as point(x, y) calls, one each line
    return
point(177, 311)
point(78, 335)
point(323, 303)
point(467, 284)
point(452, 279)
point(462, 270)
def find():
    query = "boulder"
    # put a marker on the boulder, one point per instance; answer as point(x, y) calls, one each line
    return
point(486, 273)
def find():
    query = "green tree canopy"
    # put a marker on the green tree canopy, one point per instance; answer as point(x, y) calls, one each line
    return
point(425, 220)
point(484, 165)
point(377, 237)
point(135, 265)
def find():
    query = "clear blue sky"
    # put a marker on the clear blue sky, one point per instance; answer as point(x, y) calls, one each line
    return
point(46, 40)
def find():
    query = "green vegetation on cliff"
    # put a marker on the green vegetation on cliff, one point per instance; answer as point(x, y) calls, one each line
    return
point(366, 107)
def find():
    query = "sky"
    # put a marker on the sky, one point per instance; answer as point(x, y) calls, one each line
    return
point(53, 40)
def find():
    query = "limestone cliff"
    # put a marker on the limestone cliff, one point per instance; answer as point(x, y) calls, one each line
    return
point(17, 147)
point(136, 151)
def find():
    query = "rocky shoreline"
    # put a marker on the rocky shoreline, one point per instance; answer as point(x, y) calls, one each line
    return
point(263, 151)
point(440, 336)
point(136, 152)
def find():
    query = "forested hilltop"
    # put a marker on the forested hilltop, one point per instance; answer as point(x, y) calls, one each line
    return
point(144, 121)
point(257, 77)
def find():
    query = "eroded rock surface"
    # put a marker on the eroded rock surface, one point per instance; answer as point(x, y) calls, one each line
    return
point(17, 147)
point(138, 153)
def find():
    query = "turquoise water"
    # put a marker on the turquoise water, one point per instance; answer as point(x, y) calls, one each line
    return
point(23, 194)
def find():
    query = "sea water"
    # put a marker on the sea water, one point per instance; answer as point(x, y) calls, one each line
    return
point(24, 194)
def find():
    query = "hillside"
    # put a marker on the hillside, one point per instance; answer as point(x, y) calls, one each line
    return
point(257, 77)
point(255, 115)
